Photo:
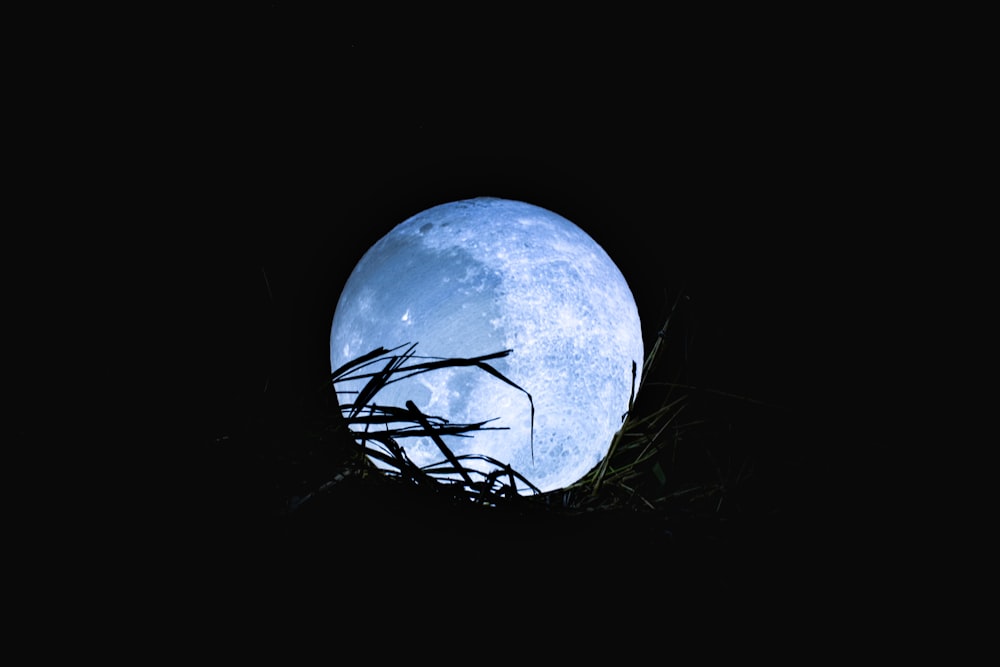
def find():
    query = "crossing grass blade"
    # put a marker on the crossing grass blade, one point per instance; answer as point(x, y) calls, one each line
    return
point(448, 454)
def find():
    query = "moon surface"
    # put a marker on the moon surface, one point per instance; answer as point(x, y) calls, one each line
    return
point(482, 275)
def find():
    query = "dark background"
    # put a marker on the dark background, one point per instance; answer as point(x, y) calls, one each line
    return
point(749, 181)
point(748, 186)
point(244, 167)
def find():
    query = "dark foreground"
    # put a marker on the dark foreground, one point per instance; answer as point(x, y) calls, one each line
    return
point(296, 521)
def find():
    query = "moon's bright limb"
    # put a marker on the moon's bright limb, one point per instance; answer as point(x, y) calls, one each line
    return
point(477, 276)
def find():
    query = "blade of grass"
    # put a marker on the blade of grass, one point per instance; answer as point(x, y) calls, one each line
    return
point(422, 420)
point(363, 360)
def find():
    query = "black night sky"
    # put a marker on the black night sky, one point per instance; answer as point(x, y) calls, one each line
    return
point(736, 182)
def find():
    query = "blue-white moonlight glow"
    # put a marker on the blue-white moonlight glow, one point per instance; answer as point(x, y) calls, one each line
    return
point(482, 275)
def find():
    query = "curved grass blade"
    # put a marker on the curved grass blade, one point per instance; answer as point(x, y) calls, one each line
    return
point(378, 352)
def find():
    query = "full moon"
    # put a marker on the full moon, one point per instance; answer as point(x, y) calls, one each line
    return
point(478, 276)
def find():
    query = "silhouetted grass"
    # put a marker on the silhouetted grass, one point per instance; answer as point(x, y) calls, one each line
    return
point(380, 368)
point(642, 470)
point(693, 472)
